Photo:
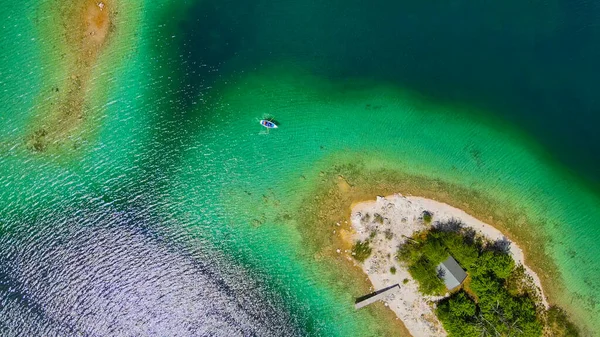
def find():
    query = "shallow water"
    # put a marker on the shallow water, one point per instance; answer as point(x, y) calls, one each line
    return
point(176, 213)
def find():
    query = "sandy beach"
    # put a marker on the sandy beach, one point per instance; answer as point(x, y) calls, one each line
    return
point(401, 217)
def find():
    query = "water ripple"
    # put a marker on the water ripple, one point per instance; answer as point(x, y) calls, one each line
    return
point(77, 276)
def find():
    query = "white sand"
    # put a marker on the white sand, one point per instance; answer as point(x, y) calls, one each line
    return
point(402, 217)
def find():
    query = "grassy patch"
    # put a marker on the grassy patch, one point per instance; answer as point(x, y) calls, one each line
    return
point(361, 250)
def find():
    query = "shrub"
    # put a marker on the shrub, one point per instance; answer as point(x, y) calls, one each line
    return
point(427, 216)
point(388, 234)
point(378, 218)
point(373, 234)
point(393, 270)
point(361, 250)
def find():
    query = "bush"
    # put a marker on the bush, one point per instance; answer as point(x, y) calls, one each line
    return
point(373, 234)
point(393, 270)
point(361, 250)
point(427, 216)
point(388, 234)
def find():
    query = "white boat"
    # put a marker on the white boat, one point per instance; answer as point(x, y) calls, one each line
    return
point(268, 124)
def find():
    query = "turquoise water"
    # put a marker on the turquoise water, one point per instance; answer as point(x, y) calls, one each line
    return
point(178, 214)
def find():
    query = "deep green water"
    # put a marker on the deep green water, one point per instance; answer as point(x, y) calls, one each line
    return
point(150, 226)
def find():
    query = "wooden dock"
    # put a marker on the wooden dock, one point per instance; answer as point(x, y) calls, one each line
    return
point(375, 296)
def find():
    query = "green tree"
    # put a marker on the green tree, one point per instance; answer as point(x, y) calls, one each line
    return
point(500, 264)
point(425, 273)
point(466, 254)
point(461, 305)
point(434, 250)
point(457, 315)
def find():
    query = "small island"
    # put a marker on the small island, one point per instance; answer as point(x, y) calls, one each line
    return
point(456, 275)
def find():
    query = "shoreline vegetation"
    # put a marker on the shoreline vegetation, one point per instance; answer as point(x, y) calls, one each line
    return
point(328, 235)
